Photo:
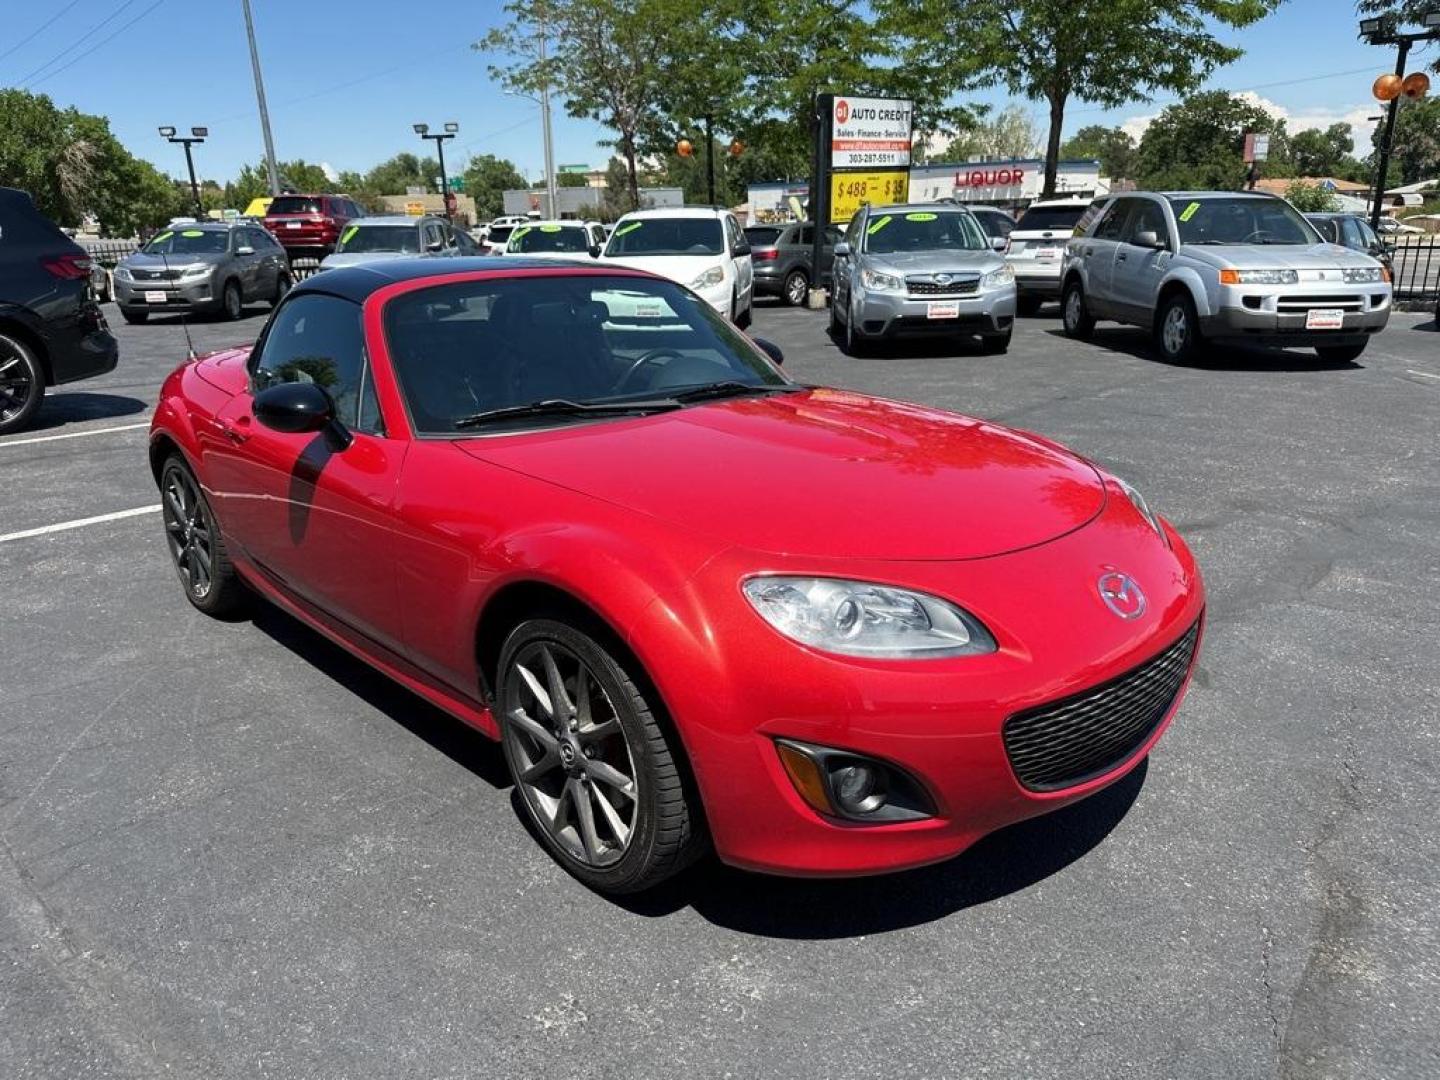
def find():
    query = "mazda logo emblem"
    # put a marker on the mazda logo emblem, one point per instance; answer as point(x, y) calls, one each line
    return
point(1121, 595)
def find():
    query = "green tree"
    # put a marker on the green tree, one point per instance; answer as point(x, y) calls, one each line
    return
point(487, 178)
point(1113, 147)
point(402, 171)
point(570, 179)
point(1311, 198)
point(620, 198)
point(1199, 143)
point(1323, 153)
point(1057, 51)
point(1416, 153)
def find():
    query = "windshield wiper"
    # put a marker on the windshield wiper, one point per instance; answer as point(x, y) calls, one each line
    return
point(729, 388)
point(565, 407)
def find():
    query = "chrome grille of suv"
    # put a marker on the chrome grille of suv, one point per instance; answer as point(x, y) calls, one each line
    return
point(1302, 304)
point(958, 284)
point(1071, 741)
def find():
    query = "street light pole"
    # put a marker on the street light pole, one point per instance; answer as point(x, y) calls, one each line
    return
point(1381, 31)
point(709, 160)
point(423, 130)
point(551, 194)
point(197, 135)
point(270, 167)
point(1383, 167)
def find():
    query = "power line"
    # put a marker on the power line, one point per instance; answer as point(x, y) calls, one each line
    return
point(38, 30)
point(103, 41)
point(1244, 89)
point(77, 42)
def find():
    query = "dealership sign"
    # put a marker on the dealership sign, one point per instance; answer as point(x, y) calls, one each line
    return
point(869, 133)
point(850, 191)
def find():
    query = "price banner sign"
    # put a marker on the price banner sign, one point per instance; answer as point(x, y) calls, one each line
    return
point(852, 190)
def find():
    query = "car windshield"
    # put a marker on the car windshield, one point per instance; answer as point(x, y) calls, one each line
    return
point(465, 348)
point(500, 233)
point(762, 236)
point(294, 204)
point(923, 230)
point(402, 238)
point(188, 242)
point(1051, 218)
point(1240, 221)
point(533, 238)
point(667, 236)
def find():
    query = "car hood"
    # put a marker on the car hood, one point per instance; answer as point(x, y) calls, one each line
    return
point(925, 262)
point(138, 260)
point(681, 268)
point(820, 473)
point(1278, 256)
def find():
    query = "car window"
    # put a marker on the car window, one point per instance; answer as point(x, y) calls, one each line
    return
point(1351, 231)
point(294, 204)
point(1147, 216)
point(465, 347)
point(182, 241)
point(806, 236)
point(852, 231)
point(1051, 218)
point(833, 235)
point(1113, 223)
point(318, 339)
point(367, 238)
point(763, 235)
point(667, 236)
point(1240, 220)
point(548, 238)
point(1367, 235)
point(1328, 228)
point(892, 232)
point(995, 223)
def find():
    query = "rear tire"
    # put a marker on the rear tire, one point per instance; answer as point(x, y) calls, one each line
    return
point(283, 284)
point(1177, 330)
point(575, 725)
point(796, 288)
point(197, 549)
point(1074, 314)
point(22, 384)
point(1340, 354)
point(134, 318)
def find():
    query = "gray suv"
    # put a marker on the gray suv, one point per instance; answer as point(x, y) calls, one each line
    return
point(781, 255)
point(205, 266)
point(925, 269)
point(1217, 266)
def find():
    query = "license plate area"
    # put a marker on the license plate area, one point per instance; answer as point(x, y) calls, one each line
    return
point(292, 224)
point(942, 311)
point(154, 296)
point(1324, 319)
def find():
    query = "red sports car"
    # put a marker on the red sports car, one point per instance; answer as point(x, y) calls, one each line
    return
point(698, 603)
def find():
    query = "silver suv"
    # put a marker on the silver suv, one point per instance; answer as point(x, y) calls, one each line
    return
point(202, 266)
point(1219, 266)
point(920, 269)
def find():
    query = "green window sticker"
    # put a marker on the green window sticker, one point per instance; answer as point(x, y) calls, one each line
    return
point(349, 234)
point(549, 228)
point(162, 237)
point(518, 233)
point(1189, 211)
point(877, 225)
point(920, 217)
point(628, 228)
point(191, 234)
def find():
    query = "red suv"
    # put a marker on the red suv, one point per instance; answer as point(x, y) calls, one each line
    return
point(310, 223)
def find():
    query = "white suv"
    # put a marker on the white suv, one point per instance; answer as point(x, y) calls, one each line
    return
point(1037, 249)
point(699, 247)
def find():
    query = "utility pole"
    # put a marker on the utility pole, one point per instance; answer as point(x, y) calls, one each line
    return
point(550, 185)
point(270, 166)
point(1381, 31)
point(1383, 167)
point(709, 160)
point(197, 135)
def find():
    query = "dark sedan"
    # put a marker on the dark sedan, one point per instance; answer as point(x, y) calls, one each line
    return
point(781, 256)
point(1352, 231)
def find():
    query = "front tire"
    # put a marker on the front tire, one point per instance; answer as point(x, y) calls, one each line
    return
point(232, 305)
point(22, 384)
point(855, 342)
point(134, 318)
point(196, 547)
point(796, 288)
point(1340, 354)
point(596, 772)
point(1177, 329)
point(996, 344)
point(1075, 315)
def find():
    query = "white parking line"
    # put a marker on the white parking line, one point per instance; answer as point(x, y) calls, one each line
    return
point(73, 435)
point(1423, 374)
point(78, 523)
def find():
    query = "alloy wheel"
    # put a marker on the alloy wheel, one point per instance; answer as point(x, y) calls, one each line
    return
point(571, 759)
point(1176, 330)
point(17, 384)
point(796, 288)
point(1072, 308)
point(189, 532)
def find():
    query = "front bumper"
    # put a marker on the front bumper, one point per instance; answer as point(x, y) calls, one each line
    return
point(883, 314)
point(199, 294)
point(720, 297)
point(1277, 315)
point(734, 686)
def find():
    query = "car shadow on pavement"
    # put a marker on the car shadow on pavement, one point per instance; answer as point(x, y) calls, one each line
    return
point(77, 406)
point(808, 908)
point(943, 347)
point(1135, 342)
point(458, 741)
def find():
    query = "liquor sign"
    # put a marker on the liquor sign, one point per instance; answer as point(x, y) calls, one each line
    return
point(851, 190)
point(870, 133)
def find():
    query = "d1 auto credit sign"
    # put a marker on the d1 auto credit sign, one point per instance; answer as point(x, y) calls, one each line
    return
point(870, 133)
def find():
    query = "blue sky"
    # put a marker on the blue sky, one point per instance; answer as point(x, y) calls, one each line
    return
point(346, 79)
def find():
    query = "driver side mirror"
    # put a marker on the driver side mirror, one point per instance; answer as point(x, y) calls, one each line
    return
point(742, 247)
point(244, 249)
point(1000, 244)
point(297, 408)
point(770, 349)
point(435, 245)
point(594, 251)
point(842, 250)
point(1149, 238)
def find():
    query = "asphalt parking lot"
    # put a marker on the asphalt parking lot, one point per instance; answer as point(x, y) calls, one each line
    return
point(228, 850)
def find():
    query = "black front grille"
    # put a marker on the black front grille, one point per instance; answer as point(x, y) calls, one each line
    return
point(955, 286)
point(155, 275)
point(1071, 741)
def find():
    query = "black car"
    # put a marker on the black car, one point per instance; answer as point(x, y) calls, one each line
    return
point(51, 328)
point(1353, 231)
point(780, 255)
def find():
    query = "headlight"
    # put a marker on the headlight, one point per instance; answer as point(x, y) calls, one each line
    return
point(1138, 501)
point(122, 273)
point(1361, 275)
point(714, 276)
point(200, 271)
point(874, 279)
point(1259, 277)
point(1004, 276)
point(855, 618)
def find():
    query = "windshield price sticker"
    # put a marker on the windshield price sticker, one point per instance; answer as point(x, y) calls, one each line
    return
point(919, 217)
point(628, 228)
point(1189, 211)
point(870, 131)
point(162, 237)
point(191, 234)
point(878, 224)
point(550, 228)
point(349, 234)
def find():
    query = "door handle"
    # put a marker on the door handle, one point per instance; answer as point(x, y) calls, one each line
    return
point(1089, 251)
point(1121, 257)
point(238, 431)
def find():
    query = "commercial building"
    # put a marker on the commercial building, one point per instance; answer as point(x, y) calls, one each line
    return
point(586, 202)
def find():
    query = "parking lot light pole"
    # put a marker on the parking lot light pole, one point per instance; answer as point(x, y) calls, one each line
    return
point(197, 135)
point(1381, 31)
point(451, 130)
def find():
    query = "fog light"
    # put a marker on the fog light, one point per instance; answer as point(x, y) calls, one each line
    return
point(842, 784)
point(859, 787)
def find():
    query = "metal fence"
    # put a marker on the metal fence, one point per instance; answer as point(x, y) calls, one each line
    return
point(1417, 268)
point(108, 252)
